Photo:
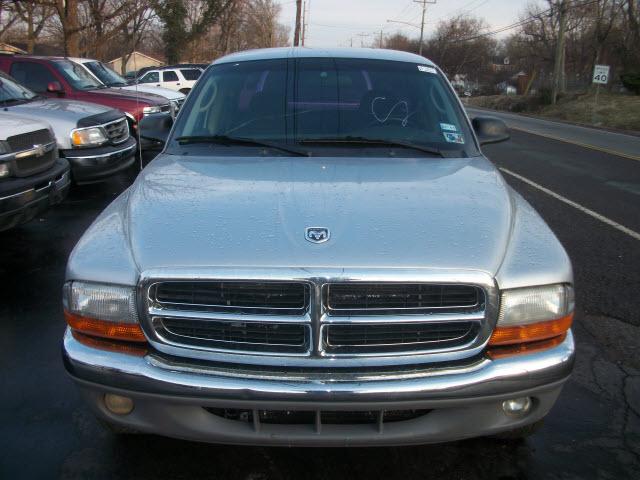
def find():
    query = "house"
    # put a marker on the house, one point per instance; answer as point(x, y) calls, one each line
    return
point(136, 61)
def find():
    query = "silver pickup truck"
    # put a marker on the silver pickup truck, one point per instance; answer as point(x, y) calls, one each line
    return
point(93, 138)
point(321, 255)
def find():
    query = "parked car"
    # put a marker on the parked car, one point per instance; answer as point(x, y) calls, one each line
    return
point(93, 138)
point(58, 77)
point(321, 255)
point(108, 77)
point(32, 177)
point(179, 79)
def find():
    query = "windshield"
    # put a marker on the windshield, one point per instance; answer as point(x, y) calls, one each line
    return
point(327, 104)
point(11, 91)
point(105, 74)
point(77, 76)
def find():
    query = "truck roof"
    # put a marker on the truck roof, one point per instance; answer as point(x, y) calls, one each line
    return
point(306, 52)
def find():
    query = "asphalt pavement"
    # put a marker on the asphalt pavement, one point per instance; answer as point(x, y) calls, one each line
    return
point(593, 431)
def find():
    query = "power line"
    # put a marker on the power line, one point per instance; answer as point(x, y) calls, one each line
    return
point(520, 23)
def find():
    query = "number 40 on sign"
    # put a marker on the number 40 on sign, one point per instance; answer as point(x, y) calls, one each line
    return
point(601, 74)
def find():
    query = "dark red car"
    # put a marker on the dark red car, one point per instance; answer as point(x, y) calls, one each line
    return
point(61, 78)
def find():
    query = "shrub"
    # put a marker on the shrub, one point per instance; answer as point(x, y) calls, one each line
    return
point(631, 81)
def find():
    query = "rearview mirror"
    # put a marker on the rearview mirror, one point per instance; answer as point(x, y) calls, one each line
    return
point(490, 130)
point(156, 127)
point(54, 87)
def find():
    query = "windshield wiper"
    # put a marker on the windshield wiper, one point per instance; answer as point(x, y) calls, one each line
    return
point(227, 140)
point(375, 141)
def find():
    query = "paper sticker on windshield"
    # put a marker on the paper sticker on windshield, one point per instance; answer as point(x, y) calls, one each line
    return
point(453, 137)
point(426, 69)
point(447, 127)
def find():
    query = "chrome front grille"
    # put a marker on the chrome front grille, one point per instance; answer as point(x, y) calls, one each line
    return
point(317, 320)
point(118, 131)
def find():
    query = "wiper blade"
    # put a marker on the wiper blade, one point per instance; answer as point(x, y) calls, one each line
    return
point(227, 140)
point(375, 141)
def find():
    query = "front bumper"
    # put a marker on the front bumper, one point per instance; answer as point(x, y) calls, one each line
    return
point(22, 199)
point(96, 164)
point(464, 401)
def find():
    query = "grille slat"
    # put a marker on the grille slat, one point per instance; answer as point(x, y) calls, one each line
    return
point(371, 298)
point(243, 297)
point(308, 417)
point(33, 164)
point(380, 338)
point(236, 335)
point(117, 131)
point(25, 141)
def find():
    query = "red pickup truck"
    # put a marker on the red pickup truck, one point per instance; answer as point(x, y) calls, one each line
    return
point(61, 78)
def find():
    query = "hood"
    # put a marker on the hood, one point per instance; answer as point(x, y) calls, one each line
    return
point(11, 125)
point(128, 96)
point(163, 92)
point(381, 212)
point(63, 115)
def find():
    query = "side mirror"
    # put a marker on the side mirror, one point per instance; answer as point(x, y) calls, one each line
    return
point(490, 130)
point(54, 87)
point(156, 127)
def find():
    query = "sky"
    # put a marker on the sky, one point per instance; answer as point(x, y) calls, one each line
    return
point(337, 23)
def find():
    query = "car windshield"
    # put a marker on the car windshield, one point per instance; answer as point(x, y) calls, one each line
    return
point(12, 92)
point(329, 106)
point(105, 74)
point(77, 76)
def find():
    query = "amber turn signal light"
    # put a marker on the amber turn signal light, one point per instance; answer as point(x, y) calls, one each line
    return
point(130, 332)
point(532, 332)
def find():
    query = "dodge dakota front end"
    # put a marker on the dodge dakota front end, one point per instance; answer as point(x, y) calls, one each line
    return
point(321, 255)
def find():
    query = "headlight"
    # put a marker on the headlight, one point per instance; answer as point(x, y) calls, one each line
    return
point(102, 310)
point(5, 171)
point(150, 110)
point(532, 314)
point(88, 137)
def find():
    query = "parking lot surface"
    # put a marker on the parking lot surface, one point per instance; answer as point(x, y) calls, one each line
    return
point(592, 432)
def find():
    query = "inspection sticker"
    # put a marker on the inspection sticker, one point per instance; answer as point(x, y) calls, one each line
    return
point(453, 137)
point(424, 68)
point(447, 127)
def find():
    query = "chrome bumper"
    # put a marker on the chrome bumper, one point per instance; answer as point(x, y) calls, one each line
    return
point(171, 396)
point(156, 375)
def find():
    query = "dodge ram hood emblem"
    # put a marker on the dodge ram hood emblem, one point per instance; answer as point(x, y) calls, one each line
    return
point(317, 234)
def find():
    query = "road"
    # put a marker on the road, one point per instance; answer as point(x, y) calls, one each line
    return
point(593, 432)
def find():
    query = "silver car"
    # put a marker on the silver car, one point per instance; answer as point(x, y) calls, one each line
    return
point(321, 255)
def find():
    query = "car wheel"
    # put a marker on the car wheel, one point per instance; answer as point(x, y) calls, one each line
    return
point(520, 432)
point(185, 91)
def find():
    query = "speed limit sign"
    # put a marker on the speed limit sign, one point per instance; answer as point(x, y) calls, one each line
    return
point(601, 74)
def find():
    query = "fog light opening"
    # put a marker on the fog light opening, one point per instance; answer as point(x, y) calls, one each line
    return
point(517, 407)
point(118, 404)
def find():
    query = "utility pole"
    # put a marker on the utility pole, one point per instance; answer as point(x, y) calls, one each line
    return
point(558, 67)
point(381, 39)
point(296, 35)
point(424, 13)
point(304, 20)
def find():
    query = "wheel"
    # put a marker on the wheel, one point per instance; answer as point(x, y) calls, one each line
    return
point(185, 91)
point(520, 432)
